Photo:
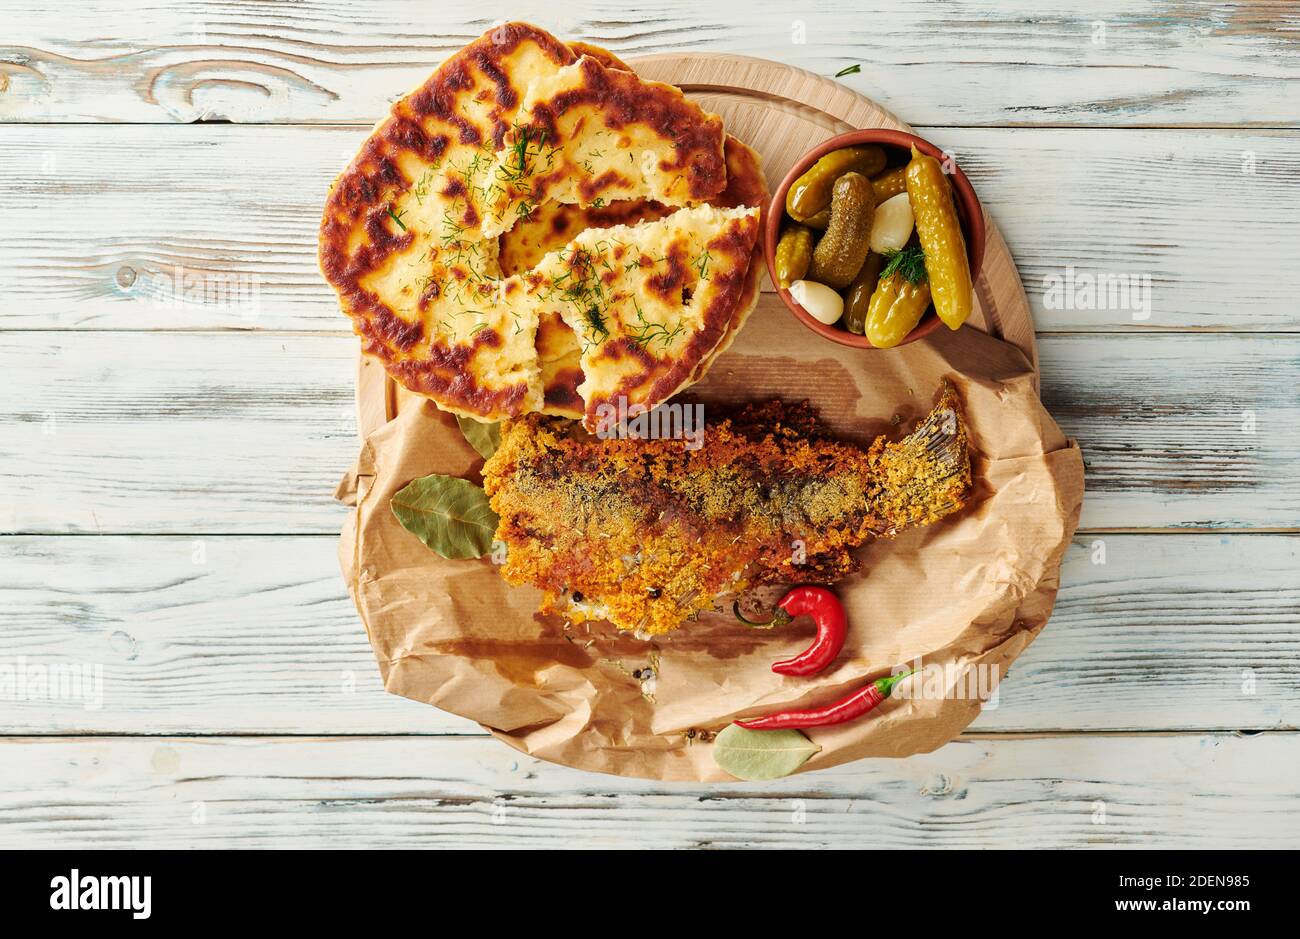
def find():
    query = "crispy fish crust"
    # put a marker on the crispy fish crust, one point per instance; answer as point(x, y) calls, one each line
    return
point(648, 533)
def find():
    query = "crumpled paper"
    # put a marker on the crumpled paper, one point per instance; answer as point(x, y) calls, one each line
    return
point(974, 589)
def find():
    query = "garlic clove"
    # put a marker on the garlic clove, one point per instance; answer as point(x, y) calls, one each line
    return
point(892, 224)
point(822, 303)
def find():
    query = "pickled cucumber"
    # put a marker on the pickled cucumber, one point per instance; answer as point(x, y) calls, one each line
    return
point(939, 230)
point(812, 191)
point(793, 255)
point(858, 299)
point(890, 183)
point(896, 307)
point(820, 220)
point(839, 253)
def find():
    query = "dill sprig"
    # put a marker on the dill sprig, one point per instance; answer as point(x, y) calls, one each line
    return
point(599, 332)
point(849, 70)
point(908, 263)
point(396, 217)
point(644, 332)
point(701, 264)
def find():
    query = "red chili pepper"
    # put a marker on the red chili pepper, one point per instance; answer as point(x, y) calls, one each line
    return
point(827, 612)
point(845, 709)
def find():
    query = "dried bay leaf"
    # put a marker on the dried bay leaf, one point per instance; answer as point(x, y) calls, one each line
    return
point(485, 438)
point(761, 754)
point(448, 514)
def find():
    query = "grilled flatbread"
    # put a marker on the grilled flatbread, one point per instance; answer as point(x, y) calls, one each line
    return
point(648, 303)
point(410, 234)
point(592, 135)
point(402, 243)
point(552, 225)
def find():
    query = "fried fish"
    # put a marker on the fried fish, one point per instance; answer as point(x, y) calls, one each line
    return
point(648, 533)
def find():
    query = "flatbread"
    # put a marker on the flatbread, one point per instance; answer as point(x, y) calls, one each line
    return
point(591, 135)
point(401, 240)
point(550, 227)
point(648, 303)
point(412, 240)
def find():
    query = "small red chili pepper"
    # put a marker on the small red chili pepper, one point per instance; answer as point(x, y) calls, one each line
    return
point(845, 709)
point(827, 612)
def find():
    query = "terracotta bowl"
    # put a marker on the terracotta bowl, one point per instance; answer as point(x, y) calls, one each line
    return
point(969, 212)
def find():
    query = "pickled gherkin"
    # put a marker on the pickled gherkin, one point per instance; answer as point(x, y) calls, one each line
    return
point(940, 234)
point(887, 184)
point(811, 193)
point(793, 255)
point(890, 183)
point(820, 220)
point(839, 253)
point(858, 299)
point(896, 307)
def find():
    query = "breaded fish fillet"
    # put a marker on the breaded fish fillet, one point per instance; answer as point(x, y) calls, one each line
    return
point(649, 533)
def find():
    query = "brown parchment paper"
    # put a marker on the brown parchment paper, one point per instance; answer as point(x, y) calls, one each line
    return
point(975, 588)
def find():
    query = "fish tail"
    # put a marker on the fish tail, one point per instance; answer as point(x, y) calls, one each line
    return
point(926, 475)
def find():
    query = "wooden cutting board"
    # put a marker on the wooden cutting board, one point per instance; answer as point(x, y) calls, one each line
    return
point(782, 112)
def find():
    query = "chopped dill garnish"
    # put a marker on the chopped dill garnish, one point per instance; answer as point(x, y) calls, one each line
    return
point(426, 180)
point(701, 264)
point(909, 263)
point(849, 70)
point(644, 333)
point(596, 324)
point(598, 203)
point(396, 217)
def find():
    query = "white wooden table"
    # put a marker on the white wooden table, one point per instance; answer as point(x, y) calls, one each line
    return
point(177, 388)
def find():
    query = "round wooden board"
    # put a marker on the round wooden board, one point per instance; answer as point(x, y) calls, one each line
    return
point(782, 112)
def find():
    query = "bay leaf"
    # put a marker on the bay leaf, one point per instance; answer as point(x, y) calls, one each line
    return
point(485, 438)
point(761, 754)
point(450, 515)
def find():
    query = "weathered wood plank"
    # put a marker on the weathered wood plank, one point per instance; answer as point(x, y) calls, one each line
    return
point(176, 432)
point(196, 635)
point(221, 635)
point(949, 62)
point(231, 433)
point(1180, 431)
point(215, 227)
point(1195, 791)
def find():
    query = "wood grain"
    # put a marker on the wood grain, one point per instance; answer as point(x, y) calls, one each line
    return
point(1173, 62)
point(201, 228)
point(1180, 431)
point(181, 433)
point(220, 635)
point(1202, 791)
